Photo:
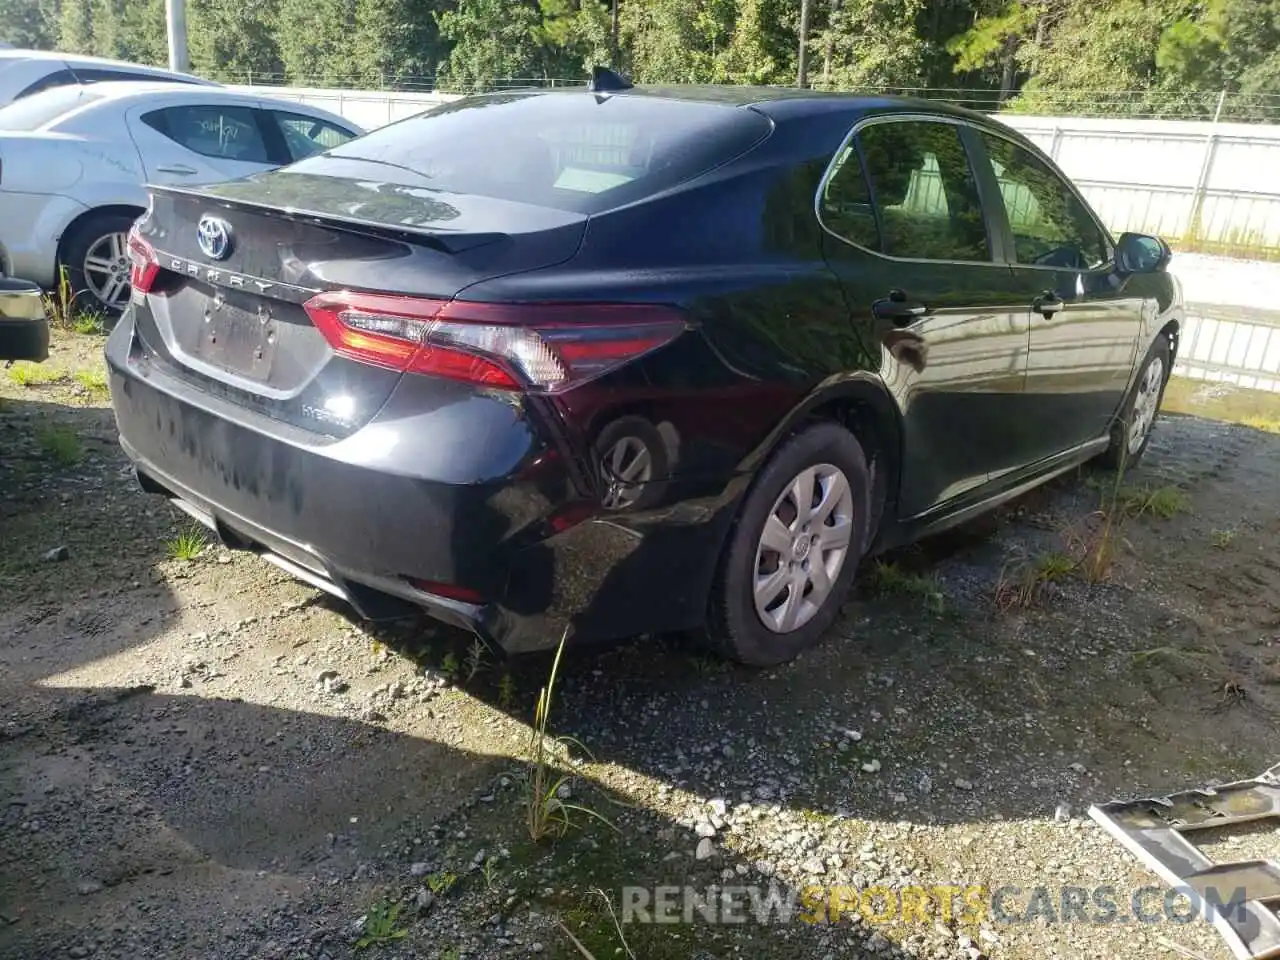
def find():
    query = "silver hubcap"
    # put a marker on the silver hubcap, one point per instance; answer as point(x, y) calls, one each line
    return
point(106, 270)
point(803, 547)
point(627, 468)
point(1146, 404)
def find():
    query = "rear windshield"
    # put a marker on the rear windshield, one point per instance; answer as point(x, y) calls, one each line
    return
point(571, 151)
point(41, 109)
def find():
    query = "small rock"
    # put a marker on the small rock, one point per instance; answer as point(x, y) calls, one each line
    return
point(1078, 768)
point(871, 766)
point(899, 798)
point(423, 899)
point(57, 554)
point(1063, 813)
point(564, 791)
point(88, 887)
point(926, 783)
point(718, 806)
point(704, 829)
point(814, 866)
point(854, 735)
point(962, 784)
point(224, 558)
point(419, 869)
point(706, 849)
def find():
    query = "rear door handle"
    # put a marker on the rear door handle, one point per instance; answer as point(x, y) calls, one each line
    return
point(898, 309)
point(1047, 304)
point(178, 169)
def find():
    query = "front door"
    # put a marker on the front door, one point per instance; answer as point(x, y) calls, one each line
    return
point(917, 263)
point(1084, 324)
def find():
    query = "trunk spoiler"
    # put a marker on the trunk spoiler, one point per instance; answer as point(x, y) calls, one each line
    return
point(443, 240)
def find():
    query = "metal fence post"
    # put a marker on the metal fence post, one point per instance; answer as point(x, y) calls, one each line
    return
point(1056, 143)
point(1202, 187)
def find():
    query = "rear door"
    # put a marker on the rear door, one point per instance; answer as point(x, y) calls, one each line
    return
point(196, 143)
point(923, 276)
point(1084, 324)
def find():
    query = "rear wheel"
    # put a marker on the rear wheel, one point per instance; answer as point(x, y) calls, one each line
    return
point(95, 255)
point(794, 550)
point(1131, 432)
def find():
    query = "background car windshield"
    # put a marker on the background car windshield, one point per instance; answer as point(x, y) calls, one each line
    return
point(571, 151)
point(40, 110)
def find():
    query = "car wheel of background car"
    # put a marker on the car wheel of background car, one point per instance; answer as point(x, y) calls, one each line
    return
point(96, 256)
point(633, 463)
point(1131, 432)
point(794, 550)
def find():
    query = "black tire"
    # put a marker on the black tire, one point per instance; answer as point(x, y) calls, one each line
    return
point(734, 626)
point(76, 246)
point(1119, 456)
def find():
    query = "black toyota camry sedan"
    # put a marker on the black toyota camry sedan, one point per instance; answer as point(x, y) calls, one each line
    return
point(632, 360)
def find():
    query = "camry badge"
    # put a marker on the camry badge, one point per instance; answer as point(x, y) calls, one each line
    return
point(214, 236)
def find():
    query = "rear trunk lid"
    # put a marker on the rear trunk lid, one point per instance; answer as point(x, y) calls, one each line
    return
point(227, 312)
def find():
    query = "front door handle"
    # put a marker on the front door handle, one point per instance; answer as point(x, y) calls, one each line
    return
point(898, 309)
point(177, 169)
point(1047, 304)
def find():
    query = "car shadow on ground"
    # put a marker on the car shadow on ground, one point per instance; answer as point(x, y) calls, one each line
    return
point(931, 703)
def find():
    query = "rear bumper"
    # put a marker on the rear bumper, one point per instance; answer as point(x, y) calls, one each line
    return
point(364, 516)
point(24, 328)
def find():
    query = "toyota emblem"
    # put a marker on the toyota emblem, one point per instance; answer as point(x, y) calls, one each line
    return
point(214, 236)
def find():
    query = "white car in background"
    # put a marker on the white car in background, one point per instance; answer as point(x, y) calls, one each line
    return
point(24, 73)
point(73, 162)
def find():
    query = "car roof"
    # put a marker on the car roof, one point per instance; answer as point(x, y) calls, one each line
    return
point(120, 92)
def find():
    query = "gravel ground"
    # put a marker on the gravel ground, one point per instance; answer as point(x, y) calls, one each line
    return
point(203, 758)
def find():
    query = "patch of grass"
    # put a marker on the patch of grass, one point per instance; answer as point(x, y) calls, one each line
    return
point(381, 925)
point(95, 381)
point(89, 323)
point(33, 374)
point(888, 577)
point(1259, 409)
point(476, 659)
point(186, 546)
point(1222, 538)
point(490, 872)
point(61, 444)
point(506, 691)
point(1164, 502)
point(449, 666)
point(623, 947)
point(1261, 422)
point(1022, 579)
point(442, 882)
point(60, 303)
point(548, 814)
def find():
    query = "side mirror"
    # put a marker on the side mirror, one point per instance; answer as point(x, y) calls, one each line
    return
point(1139, 253)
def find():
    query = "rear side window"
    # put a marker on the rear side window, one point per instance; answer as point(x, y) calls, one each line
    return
point(59, 78)
point(98, 75)
point(44, 108)
point(221, 132)
point(1051, 227)
point(571, 151)
point(924, 191)
point(305, 135)
point(846, 201)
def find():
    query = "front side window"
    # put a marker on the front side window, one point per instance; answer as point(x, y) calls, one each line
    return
point(924, 191)
point(305, 135)
point(1051, 227)
point(222, 132)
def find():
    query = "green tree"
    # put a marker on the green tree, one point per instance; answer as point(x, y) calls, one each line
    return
point(1231, 45)
point(875, 43)
point(491, 40)
point(398, 42)
point(315, 41)
point(29, 24)
point(234, 40)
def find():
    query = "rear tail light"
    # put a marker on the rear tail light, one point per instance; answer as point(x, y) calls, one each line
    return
point(538, 346)
point(145, 267)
